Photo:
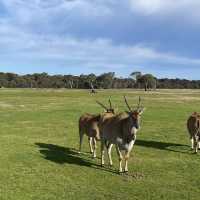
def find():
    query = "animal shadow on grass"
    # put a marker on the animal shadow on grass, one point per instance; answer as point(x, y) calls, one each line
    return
point(62, 155)
point(164, 146)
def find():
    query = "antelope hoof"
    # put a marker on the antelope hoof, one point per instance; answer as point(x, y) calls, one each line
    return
point(126, 171)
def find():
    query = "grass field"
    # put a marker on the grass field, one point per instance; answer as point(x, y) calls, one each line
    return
point(39, 138)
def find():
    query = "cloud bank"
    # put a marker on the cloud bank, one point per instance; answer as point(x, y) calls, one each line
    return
point(89, 35)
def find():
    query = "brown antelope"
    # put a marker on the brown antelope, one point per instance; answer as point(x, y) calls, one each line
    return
point(193, 126)
point(120, 130)
point(89, 125)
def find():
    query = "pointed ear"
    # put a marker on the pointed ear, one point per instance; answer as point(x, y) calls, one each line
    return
point(141, 110)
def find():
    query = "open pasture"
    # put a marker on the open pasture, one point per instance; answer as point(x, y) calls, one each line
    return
point(39, 141)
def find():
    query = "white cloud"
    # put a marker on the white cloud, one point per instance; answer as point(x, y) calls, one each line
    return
point(31, 10)
point(147, 6)
point(18, 46)
point(186, 8)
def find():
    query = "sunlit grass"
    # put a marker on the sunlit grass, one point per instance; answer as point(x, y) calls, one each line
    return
point(39, 138)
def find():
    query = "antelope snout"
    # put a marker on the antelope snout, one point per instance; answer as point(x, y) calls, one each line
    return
point(134, 130)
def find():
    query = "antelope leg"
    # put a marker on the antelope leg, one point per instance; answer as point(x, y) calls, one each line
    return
point(102, 152)
point(120, 158)
point(192, 143)
point(94, 147)
point(90, 144)
point(126, 161)
point(109, 154)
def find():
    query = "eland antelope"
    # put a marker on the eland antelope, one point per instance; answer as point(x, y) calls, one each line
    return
point(193, 126)
point(120, 130)
point(89, 125)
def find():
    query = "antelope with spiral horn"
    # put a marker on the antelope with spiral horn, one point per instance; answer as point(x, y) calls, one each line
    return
point(120, 130)
point(89, 125)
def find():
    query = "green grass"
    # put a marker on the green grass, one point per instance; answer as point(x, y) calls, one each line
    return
point(39, 138)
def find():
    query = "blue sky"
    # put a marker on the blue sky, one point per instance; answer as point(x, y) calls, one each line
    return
point(96, 36)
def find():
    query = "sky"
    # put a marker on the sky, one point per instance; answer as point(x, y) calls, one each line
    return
point(97, 36)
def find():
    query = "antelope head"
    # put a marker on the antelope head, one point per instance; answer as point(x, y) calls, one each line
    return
point(107, 110)
point(135, 113)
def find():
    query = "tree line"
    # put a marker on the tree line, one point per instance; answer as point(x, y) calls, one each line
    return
point(92, 81)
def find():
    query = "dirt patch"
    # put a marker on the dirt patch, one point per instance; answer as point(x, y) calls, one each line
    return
point(5, 105)
point(22, 106)
point(189, 98)
point(132, 176)
point(175, 98)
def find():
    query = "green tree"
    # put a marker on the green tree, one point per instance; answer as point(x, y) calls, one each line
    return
point(148, 81)
point(136, 76)
point(106, 80)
